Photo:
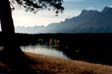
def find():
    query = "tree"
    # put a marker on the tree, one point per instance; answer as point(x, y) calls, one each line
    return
point(6, 17)
point(35, 5)
point(11, 48)
point(7, 24)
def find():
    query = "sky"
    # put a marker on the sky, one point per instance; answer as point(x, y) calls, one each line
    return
point(45, 17)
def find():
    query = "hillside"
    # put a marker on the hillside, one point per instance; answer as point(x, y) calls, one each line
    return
point(51, 65)
point(89, 21)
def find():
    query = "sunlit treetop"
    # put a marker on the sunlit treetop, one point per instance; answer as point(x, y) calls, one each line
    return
point(35, 5)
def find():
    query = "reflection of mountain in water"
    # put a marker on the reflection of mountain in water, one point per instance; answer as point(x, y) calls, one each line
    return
point(87, 21)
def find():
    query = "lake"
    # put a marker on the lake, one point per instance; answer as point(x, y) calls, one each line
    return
point(45, 50)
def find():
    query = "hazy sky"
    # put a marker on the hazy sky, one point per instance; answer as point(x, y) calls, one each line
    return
point(44, 17)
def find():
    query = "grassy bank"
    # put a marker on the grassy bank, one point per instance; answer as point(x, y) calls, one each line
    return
point(52, 65)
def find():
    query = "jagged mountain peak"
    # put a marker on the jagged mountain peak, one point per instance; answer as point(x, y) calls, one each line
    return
point(89, 21)
point(89, 12)
point(107, 9)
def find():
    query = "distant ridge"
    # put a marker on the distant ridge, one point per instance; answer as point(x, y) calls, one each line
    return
point(89, 21)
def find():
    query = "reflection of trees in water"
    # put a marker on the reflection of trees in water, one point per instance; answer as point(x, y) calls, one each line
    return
point(44, 49)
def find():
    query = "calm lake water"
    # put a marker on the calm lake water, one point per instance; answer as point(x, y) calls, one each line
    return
point(45, 50)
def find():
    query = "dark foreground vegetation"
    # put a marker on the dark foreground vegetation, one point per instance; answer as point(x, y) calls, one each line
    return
point(12, 59)
point(94, 47)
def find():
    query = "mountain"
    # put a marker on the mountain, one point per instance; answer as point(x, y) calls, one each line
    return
point(89, 21)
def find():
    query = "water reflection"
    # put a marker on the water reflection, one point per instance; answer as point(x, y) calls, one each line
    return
point(45, 50)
